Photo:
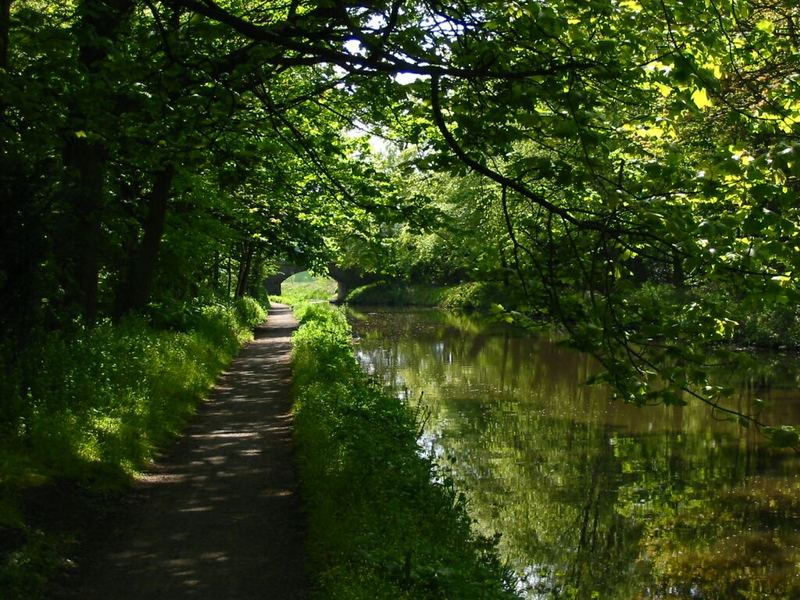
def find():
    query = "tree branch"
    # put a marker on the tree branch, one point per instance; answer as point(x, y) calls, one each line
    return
point(504, 181)
point(291, 36)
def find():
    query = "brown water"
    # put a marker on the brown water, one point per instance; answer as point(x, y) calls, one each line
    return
point(594, 498)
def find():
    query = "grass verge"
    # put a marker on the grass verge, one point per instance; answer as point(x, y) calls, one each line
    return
point(384, 521)
point(83, 412)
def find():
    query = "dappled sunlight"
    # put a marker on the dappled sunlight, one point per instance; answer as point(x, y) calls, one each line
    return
point(218, 517)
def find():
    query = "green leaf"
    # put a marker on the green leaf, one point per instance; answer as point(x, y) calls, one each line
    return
point(765, 25)
point(700, 98)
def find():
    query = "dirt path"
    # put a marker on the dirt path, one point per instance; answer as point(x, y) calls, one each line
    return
point(219, 517)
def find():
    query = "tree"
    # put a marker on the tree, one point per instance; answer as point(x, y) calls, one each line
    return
point(174, 148)
point(625, 221)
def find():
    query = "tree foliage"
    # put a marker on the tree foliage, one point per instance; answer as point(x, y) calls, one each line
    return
point(629, 165)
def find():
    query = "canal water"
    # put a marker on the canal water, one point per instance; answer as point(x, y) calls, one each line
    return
point(593, 498)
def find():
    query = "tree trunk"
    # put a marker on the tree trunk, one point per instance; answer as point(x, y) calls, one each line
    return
point(137, 281)
point(84, 193)
point(5, 28)
point(244, 269)
point(228, 269)
point(505, 268)
point(215, 269)
point(85, 155)
point(257, 268)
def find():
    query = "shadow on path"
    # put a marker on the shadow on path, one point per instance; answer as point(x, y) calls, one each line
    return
point(219, 516)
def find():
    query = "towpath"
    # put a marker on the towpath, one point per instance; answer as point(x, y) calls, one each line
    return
point(218, 518)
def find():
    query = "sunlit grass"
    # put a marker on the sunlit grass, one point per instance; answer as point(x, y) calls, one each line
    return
point(305, 287)
point(93, 407)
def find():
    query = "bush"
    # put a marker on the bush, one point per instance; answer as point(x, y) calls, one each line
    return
point(772, 327)
point(473, 295)
point(380, 293)
point(249, 312)
point(384, 521)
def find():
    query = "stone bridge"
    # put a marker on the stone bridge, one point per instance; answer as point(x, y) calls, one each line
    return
point(347, 279)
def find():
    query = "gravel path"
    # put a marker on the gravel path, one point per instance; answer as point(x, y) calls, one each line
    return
point(219, 516)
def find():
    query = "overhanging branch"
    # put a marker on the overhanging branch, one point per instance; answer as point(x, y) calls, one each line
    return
point(308, 43)
point(476, 166)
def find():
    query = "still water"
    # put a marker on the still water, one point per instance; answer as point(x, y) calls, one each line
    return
point(593, 498)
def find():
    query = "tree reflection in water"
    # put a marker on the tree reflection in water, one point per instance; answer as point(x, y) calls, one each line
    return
point(595, 498)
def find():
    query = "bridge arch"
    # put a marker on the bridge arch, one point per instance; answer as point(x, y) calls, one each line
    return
point(273, 282)
point(347, 279)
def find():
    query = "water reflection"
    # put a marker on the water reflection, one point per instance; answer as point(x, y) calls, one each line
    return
point(594, 498)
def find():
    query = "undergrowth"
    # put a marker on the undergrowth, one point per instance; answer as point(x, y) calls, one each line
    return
point(385, 522)
point(472, 295)
point(82, 412)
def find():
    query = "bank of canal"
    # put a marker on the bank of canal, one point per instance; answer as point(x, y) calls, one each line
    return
point(595, 498)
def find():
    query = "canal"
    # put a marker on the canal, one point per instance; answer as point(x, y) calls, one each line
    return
point(593, 498)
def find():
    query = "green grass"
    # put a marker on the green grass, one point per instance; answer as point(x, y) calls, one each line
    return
point(304, 287)
point(384, 521)
point(84, 412)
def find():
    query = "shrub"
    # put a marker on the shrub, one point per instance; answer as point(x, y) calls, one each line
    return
point(772, 327)
point(471, 295)
point(250, 312)
point(381, 293)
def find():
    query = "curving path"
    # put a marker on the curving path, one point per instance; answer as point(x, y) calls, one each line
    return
point(219, 516)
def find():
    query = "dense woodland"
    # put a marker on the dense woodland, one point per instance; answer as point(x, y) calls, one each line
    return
point(628, 168)
point(625, 169)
